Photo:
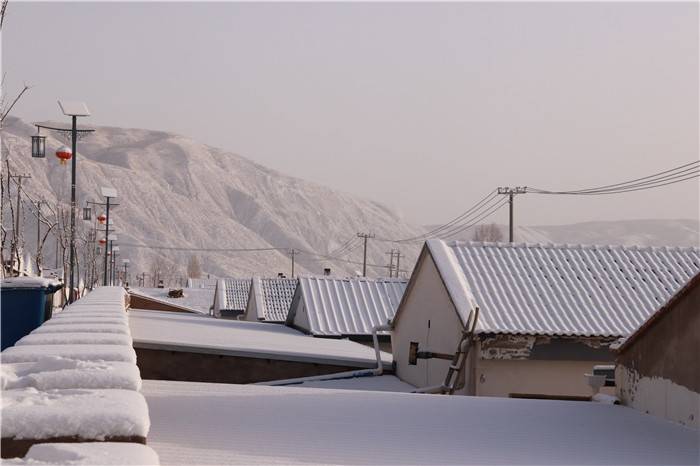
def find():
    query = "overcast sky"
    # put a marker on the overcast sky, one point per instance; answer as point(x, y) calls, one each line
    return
point(424, 107)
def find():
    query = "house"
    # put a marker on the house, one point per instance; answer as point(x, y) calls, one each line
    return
point(657, 368)
point(345, 307)
point(546, 313)
point(208, 283)
point(230, 297)
point(269, 299)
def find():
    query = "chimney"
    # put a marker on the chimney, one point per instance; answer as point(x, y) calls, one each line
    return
point(327, 271)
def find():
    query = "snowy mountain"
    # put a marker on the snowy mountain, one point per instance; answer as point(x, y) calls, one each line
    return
point(175, 192)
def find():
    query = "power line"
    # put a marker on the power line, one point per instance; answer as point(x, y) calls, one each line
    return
point(674, 175)
point(178, 248)
point(460, 218)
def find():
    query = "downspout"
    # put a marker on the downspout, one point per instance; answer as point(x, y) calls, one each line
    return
point(379, 370)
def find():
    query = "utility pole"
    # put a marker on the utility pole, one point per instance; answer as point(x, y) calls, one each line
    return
point(398, 261)
point(365, 236)
point(292, 253)
point(511, 192)
point(391, 263)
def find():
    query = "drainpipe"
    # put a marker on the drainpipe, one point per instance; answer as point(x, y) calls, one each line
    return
point(379, 370)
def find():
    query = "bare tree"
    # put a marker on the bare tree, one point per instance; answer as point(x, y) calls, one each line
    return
point(488, 232)
point(194, 269)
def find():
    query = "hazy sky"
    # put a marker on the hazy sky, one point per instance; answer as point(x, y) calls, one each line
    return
point(424, 107)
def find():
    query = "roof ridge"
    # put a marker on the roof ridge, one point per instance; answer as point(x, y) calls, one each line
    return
point(552, 245)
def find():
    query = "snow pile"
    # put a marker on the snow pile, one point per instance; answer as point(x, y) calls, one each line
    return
point(80, 328)
point(61, 373)
point(33, 353)
point(70, 338)
point(93, 453)
point(88, 414)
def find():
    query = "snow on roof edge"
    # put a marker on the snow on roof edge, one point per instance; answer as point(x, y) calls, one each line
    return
point(453, 278)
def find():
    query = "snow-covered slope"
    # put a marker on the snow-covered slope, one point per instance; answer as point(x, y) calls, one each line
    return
point(174, 191)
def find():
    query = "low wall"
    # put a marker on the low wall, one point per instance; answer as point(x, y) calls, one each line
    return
point(201, 367)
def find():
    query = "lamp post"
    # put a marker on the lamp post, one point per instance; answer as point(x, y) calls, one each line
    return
point(73, 110)
point(108, 194)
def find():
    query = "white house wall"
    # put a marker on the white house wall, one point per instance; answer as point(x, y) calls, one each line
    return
point(427, 303)
point(503, 377)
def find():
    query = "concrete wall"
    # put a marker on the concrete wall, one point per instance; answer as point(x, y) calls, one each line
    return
point(501, 377)
point(658, 372)
point(138, 302)
point(200, 367)
point(429, 318)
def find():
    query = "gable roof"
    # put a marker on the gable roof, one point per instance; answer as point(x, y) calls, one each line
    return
point(656, 316)
point(347, 306)
point(234, 293)
point(273, 296)
point(561, 289)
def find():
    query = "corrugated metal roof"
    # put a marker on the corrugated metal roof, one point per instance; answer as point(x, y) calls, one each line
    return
point(236, 293)
point(571, 289)
point(273, 296)
point(349, 306)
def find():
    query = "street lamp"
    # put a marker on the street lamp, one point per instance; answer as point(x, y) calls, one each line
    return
point(38, 145)
point(73, 110)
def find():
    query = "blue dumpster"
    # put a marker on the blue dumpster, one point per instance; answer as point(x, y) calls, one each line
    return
point(25, 303)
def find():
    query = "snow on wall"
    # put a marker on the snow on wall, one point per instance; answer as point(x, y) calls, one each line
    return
point(81, 381)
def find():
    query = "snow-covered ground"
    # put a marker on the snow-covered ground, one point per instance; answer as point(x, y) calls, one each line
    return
point(196, 299)
point(199, 423)
point(169, 330)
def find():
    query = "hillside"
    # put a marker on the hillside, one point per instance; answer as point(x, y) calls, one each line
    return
point(176, 192)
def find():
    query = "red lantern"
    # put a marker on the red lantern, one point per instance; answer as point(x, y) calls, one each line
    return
point(102, 219)
point(64, 154)
point(103, 241)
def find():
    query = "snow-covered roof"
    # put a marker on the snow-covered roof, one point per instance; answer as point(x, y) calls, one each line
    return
point(192, 424)
point(273, 297)
point(561, 289)
point(194, 299)
point(198, 334)
point(208, 283)
point(345, 306)
point(233, 293)
point(29, 282)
